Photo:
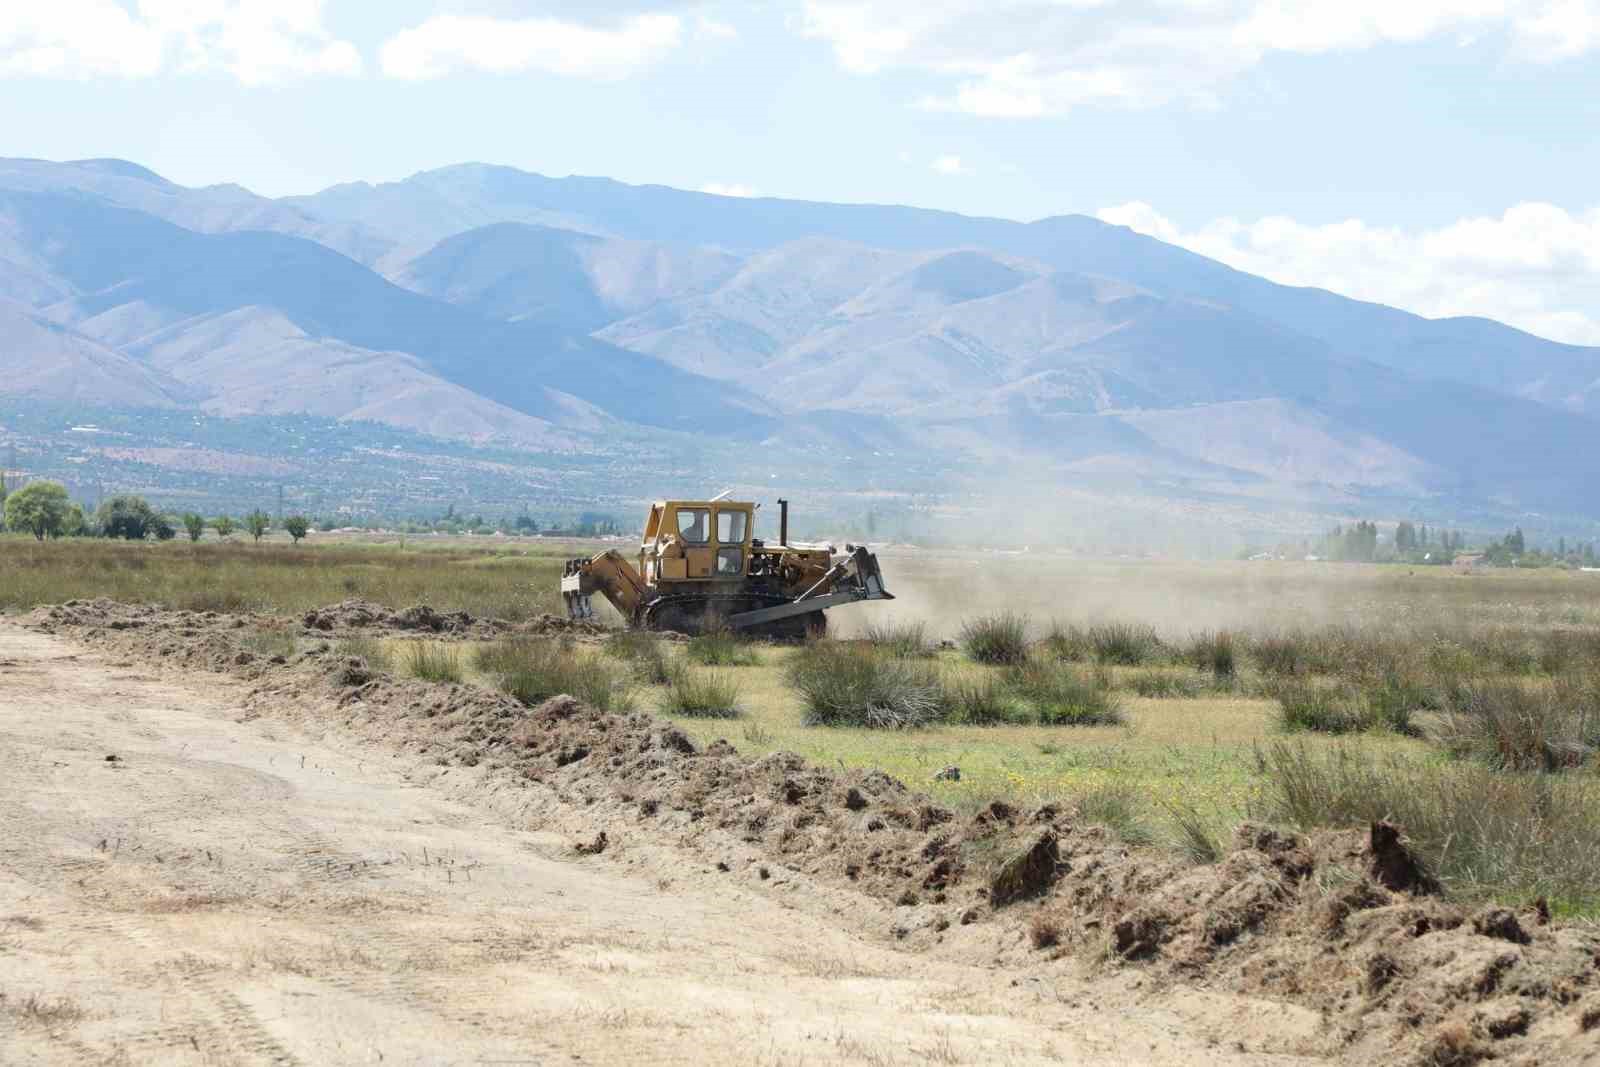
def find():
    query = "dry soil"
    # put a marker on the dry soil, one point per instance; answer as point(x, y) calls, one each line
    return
point(186, 880)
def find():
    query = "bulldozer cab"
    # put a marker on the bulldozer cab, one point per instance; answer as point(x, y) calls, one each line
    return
point(686, 540)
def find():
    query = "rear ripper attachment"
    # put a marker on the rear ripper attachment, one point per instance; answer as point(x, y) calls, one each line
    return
point(701, 568)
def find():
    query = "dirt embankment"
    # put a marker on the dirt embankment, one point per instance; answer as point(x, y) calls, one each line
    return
point(1345, 924)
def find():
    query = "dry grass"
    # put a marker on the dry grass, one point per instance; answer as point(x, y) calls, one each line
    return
point(432, 661)
point(534, 670)
point(1484, 832)
point(49, 1013)
point(510, 584)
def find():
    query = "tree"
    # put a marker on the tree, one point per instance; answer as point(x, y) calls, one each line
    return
point(223, 524)
point(1405, 538)
point(1515, 543)
point(75, 523)
point(296, 526)
point(257, 523)
point(163, 529)
point(127, 517)
point(194, 524)
point(38, 508)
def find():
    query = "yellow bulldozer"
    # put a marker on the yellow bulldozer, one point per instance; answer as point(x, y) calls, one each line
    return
point(701, 568)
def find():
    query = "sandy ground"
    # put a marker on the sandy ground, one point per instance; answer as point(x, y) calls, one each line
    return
point(230, 891)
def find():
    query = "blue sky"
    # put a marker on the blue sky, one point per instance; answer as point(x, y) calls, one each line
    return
point(1436, 154)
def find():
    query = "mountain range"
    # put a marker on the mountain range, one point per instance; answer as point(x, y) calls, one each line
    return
point(487, 303)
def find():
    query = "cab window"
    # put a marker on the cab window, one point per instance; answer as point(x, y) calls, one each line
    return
point(694, 525)
point(730, 527)
point(730, 562)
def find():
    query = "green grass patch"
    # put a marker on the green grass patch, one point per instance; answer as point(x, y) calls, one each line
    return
point(856, 685)
point(702, 694)
point(721, 649)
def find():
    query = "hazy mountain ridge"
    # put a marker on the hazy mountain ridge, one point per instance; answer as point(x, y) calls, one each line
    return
point(1474, 351)
point(489, 304)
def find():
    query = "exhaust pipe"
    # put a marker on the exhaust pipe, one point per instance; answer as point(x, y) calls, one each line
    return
point(783, 522)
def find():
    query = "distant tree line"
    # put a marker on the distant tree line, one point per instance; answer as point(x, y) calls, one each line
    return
point(1417, 543)
point(44, 510)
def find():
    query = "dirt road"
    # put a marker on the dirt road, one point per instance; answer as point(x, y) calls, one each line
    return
point(183, 883)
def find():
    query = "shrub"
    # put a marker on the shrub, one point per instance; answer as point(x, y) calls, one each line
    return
point(1482, 831)
point(998, 639)
point(1124, 643)
point(856, 685)
point(720, 648)
point(1058, 695)
point(1213, 652)
point(297, 526)
point(432, 661)
point(985, 701)
point(1513, 726)
point(701, 694)
point(533, 671)
point(127, 517)
point(223, 524)
point(1159, 683)
point(194, 526)
point(644, 652)
point(907, 640)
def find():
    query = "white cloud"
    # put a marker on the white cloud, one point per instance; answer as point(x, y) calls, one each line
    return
point(1536, 266)
point(706, 26)
point(256, 41)
point(734, 189)
point(447, 43)
point(1028, 58)
point(951, 165)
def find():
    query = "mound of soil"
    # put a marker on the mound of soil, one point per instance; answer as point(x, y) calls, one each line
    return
point(1348, 924)
point(348, 618)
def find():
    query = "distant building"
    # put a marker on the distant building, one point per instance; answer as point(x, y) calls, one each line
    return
point(1467, 562)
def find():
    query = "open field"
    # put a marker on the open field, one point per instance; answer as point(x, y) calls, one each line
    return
point(1191, 750)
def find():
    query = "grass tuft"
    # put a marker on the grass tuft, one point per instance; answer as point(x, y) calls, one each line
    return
point(377, 655)
point(1155, 682)
point(1124, 644)
point(855, 685)
point(533, 671)
point(907, 640)
point(983, 701)
point(721, 648)
point(1483, 832)
point(1059, 695)
point(1118, 807)
point(1215, 653)
point(997, 640)
point(431, 661)
point(702, 694)
point(644, 652)
point(1516, 726)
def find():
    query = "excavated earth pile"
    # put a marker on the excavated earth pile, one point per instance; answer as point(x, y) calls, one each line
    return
point(1347, 924)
